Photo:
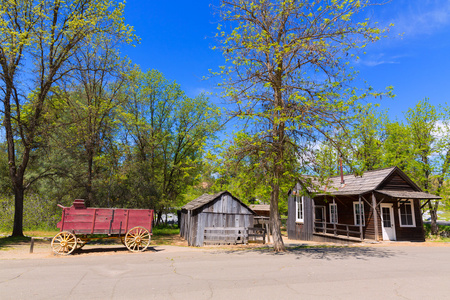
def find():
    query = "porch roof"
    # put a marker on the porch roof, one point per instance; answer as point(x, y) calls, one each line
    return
point(407, 194)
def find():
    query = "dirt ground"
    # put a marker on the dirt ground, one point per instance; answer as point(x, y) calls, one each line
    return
point(42, 247)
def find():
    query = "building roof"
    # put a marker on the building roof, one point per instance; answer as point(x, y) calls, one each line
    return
point(260, 207)
point(206, 198)
point(370, 181)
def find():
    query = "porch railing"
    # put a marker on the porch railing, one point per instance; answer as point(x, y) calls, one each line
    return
point(337, 229)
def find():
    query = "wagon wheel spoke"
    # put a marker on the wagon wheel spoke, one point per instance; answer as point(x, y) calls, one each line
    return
point(64, 243)
point(137, 239)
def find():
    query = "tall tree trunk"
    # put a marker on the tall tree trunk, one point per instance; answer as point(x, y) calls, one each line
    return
point(278, 164)
point(18, 207)
point(159, 217)
point(275, 221)
point(89, 183)
point(433, 215)
point(16, 174)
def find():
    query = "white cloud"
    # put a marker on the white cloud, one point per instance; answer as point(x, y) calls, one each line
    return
point(418, 17)
point(378, 59)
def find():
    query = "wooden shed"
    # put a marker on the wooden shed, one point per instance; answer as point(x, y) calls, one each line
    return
point(382, 204)
point(221, 211)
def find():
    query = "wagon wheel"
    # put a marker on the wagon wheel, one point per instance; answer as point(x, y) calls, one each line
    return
point(137, 239)
point(64, 243)
point(81, 243)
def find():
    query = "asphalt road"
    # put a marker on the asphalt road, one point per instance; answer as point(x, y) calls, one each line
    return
point(390, 272)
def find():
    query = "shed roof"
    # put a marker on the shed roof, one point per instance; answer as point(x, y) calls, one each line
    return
point(206, 198)
point(368, 182)
point(260, 207)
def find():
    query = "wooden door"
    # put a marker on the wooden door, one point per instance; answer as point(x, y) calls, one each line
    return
point(319, 218)
point(388, 222)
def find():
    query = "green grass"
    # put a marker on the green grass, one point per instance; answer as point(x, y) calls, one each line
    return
point(439, 240)
point(8, 241)
point(166, 235)
point(444, 216)
point(165, 231)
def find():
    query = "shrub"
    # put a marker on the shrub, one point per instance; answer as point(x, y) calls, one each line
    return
point(38, 213)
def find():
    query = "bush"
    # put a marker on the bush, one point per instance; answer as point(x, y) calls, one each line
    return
point(38, 213)
point(444, 231)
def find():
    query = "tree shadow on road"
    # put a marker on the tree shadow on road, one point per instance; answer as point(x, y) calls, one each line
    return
point(321, 252)
point(118, 249)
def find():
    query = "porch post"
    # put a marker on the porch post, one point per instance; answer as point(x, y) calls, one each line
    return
point(334, 227)
point(360, 219)
point(375, 215)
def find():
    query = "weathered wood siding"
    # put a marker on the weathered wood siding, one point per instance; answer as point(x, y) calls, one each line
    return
point(300, 231)
point(396, 182)
point(369, 232)
point(224, 211)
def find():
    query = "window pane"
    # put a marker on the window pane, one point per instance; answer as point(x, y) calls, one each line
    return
point(386, 217)
point(299, 204)
point(406, 215)
point(409, 220)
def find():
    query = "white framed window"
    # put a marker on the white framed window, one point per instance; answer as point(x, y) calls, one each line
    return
point(333, 213)
point(406, 213)
point(299, 209)
point(358, 213)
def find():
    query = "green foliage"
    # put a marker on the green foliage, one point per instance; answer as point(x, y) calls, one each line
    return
point(168, 133)
point(39, 43)
point(443, 231)
point(288, 78)
point(39, 213)
point(5, 182)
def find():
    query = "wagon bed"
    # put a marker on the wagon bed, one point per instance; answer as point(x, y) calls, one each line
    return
point(133, 226)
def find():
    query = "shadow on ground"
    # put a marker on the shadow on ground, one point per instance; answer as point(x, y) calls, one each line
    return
point(322, 252)
point(118, 249)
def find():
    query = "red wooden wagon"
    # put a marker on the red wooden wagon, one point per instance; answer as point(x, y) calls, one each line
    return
point(78, 224)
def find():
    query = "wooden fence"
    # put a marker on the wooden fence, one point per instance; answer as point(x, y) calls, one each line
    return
point(336, 229)
point(257, 235)
point(233, 235)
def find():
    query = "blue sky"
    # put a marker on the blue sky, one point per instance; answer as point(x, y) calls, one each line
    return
point(177, 36)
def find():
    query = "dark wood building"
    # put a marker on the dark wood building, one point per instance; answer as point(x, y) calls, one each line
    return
point(262, 210)
point(379, 205)
point(222, 211)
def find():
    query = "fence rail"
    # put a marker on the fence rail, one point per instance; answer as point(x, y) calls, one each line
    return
point(256, 235)
point(233, 235)
point(337, 229)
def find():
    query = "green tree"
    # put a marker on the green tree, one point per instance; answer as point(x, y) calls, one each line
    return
point(397, 148)
point(420, 147)
point(288, 78)
point(427, 165)
point(169, 133)
point(40, 38)
point(368, 136)
point(93, 96)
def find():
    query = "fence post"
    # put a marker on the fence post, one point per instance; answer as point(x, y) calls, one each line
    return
point(32, 245)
